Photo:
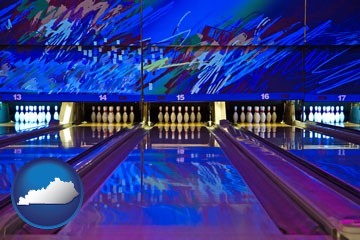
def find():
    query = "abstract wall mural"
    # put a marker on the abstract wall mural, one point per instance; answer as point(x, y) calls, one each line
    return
point(197, 48)
point(222, 70)
point(336, 22)
point(55, 22)
point(69, 69)
point(332, 70)
point(225, 23)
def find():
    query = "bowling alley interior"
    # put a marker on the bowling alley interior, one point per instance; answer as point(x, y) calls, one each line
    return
point(186, 119)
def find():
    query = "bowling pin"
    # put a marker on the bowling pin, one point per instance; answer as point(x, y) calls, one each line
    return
point(56, 113)
point(93, 115)
point(311, 114)
point(274, 115)
point(160, 115)
point(111, 116)
point(132, 115)
point(262, 114)
point(98, 115)
point(186, 114)
point(104, 116)
point(341, 116)
point(117, 115)
point(48, 114)
point(35, 115)
point(332, 114)
point(166, 115)
point(31, 114)
point(192, 115)
point(125, 115)
point(235, 115)
point(22, 114)
point(40, 115)
point(179, 115)
point(44, 115)
point(242, 114)
point(328, 114)
point(17, 114)
point(249, 115)
point(198, 115)
point(337, 115)
point(172, 115)
point(304, 114)
point(256, 115)
point(268, 115)
point(26, 114)
point(323, 116)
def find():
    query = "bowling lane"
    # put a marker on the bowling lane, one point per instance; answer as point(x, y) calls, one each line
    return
point(347, 125)
point(64, 144)
point(338, 157)
point(174, 186)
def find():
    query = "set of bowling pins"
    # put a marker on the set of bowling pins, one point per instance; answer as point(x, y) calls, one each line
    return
point(179, 117)
point(259, 115)
point(328, 114)
point(110, 117)
point(177, 131)
point(35, 114)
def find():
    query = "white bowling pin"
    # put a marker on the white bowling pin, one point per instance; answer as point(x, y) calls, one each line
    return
point(48, 114)
point(304, 113)
point(166, 115)
point(262, 114)
point(132, 115)
point(256, 115)
point(179, 115)
point(26, 114)
point(198, 115)
point(341, 116)
point(98, 115)
point(332, 114)
point(311, 114)
point(31, 114)
point(337, 115)
point(40, 115)
point(22, 114)
point(104, 116)
point(192, 115)
point(44, 114)
point(173, 115)
point(235, 115)
point(186, 115)
point(274, 115)
point(249, 115)
point(36, 115)
point(111, 116)
point(242, 114)
point(125, 115)
point(17, 114)
point(268, 114)
point(93, 115)
point(56, 113)
point(160, 115)
point(117, 115)
point(323, 116)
